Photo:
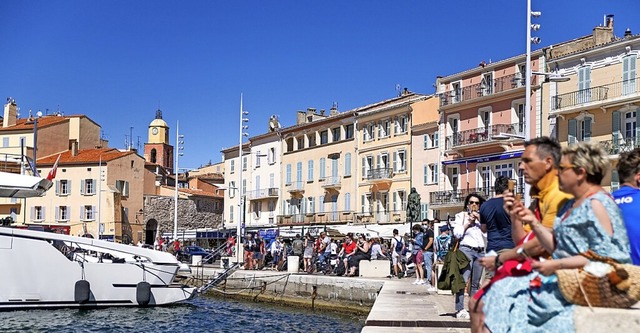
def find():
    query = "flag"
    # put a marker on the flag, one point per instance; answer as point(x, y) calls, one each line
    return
point(52, 173)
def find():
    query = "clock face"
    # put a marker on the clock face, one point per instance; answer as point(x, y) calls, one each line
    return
point(154, 130)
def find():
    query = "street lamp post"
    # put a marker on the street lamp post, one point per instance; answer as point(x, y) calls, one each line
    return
point(527, 97)
point(175, 172)
point(241, 198)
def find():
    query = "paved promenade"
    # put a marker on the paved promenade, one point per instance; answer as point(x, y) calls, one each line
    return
point(402, 304)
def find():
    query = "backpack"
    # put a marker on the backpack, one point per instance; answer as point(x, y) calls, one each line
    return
point(399, 244)
point(298, 246)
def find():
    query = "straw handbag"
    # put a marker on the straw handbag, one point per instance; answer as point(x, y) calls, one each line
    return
point(620, 288)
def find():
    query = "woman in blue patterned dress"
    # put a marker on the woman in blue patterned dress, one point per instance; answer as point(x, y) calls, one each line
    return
point(591, 221)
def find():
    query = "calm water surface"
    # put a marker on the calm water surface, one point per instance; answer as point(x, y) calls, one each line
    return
point(202, 314)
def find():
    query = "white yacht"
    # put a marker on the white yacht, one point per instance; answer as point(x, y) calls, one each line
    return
point(49, 270)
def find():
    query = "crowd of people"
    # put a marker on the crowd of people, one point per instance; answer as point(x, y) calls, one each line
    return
point(520, 248)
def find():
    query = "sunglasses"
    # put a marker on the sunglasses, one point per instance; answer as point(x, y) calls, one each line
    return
point(474, 202)
point(563, 167)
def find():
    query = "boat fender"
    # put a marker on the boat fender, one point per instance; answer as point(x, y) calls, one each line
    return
point(82, 291)
point(143, 293)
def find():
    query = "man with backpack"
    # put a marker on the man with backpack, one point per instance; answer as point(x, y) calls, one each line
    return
point(397, 246)
point(298, 246)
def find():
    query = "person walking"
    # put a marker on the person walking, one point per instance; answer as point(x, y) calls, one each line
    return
point(496, 222)
point(466, 228)
point(628, 198)
point(416, 252)
point(397, 249)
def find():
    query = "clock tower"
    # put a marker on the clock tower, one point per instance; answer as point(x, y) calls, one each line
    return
point(157, 149)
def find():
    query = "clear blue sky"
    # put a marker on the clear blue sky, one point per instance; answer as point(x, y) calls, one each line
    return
point(117, 61)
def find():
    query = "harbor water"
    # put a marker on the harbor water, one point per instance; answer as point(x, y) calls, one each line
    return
point(203, 314)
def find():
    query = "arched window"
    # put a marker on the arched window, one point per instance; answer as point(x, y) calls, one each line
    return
point(153, 155)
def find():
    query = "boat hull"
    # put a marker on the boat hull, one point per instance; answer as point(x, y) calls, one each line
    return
point(38, 274)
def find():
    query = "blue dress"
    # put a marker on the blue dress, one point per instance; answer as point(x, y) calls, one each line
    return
point(511, 305)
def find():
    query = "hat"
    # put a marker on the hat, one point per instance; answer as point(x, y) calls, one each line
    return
point(444, 228)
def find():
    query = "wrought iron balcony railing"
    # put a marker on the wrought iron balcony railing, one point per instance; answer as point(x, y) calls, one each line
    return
point(332, 182)
point(272, 192)
point(487, 88)
point(605, 92)
point(456, 197)
point(297, 186)
point(617, 146)
point(484, 134)
point(380, 174)
point(317, 218)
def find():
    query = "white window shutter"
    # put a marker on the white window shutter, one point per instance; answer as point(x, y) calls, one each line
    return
point(69, 186)
point(82, 218)
point(57, 187)
point(33, 213)
point(57, 213)
point(82, 183)
point(615, 128)
point(396, 164)
point(93, 212)
point(44, 213)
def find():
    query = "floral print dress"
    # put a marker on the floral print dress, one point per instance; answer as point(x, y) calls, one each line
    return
point(519, 304)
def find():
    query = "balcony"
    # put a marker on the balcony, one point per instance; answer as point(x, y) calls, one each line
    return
point(617, 146)
point(455, 198)
point(591, 97)
point(484, 89)
point(483, 135)
point(380, 175)
point(296, 187)
point(338, 217)
point(332, 183)
point(266, 193)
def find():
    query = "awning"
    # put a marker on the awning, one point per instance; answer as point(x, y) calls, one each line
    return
point(485, 158)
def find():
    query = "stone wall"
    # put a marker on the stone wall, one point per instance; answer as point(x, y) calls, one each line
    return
point(192, 214)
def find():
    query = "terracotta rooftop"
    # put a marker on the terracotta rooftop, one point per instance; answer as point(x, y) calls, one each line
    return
point(26, 124)
point(85, 156)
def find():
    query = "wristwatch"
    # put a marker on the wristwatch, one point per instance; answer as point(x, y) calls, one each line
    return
point(521, 252)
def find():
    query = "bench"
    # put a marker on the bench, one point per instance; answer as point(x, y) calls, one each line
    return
point(374, 268)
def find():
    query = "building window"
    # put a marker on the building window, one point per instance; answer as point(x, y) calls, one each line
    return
point(257, 208)
point(322, 168)
point(347, 165)
point(272, 156)
point(486, 85)
point(312, 208)
point(63, 187)
point(258, 159)
point(347, 201)
point(399, 202)
point(312, 140)
point(402, 124)
point(244, 163)
point(433, 172)
point(288, 174)
point(367, 166)
point(300, 141)
point(299, 171)
point(336, 134)
point(5, 142)
point(62, 213)
point(232, 189)
point(231, 213)
point(629, 74)
point(348, 131)
point(435, 140)
point(321, 204)
point(244, 187)
point(584, 83)
point(383, 129)
point(310, 171)
point(324, 137)
point(123, 187)
point(367, 133)
point(424, 211)
point(232, 169)
point(88, 187)
point(400, 161)
point(37, 213)
point(456, 92)
point(580, 128)
point(87, 213)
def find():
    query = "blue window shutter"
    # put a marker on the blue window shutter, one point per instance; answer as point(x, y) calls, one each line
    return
point(347, 164)
point(288, 176)
point(587, 129)
point(573, 131)
point(615, 128)
point(82, 182)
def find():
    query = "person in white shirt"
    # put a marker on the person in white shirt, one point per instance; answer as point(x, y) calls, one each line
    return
point(467, 229)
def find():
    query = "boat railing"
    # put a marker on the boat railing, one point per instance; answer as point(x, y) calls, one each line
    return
point(219, 278)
